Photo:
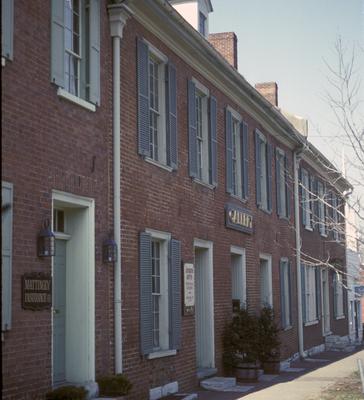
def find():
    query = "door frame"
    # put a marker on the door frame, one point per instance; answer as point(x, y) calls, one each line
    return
point(326, 272)
point(207, 245)
point(84, 256)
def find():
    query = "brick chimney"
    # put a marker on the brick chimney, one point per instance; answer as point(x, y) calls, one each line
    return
point(226, 43)
point(269, 90)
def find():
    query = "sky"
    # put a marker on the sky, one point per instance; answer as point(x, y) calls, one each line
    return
point(290, 42)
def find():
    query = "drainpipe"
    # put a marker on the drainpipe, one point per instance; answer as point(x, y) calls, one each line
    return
point(296, 162)
point(117, 17)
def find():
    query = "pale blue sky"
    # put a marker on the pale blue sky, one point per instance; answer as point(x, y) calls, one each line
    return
point(287, 41)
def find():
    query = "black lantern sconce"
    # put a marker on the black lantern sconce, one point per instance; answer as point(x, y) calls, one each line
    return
point(109, 251)
point(46, 247)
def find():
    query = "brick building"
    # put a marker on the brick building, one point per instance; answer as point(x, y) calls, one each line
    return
point(123, 121)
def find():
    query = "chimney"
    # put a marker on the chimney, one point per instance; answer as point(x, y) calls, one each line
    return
point(226, 43)
point(269, 90)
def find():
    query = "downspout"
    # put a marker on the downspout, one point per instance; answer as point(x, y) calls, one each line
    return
point(296, 162)
point(117, 17)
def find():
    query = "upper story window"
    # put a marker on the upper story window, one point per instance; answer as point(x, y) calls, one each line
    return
point(306, 199)
point(202, 134)
point(202, 23)
point(263, 167)
point(75, 48)
point(335, 217)
point(236, 155)
point(321, 199)
point(282, 181)
point(7, 29)
point(157, 106)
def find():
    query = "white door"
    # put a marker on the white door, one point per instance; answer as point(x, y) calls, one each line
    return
point(59, 313)
point(325, 302)
point(204, 310)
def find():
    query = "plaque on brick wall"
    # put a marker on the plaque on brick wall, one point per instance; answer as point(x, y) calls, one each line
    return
point(188, 289)
point(36, 291)
point(238, 218)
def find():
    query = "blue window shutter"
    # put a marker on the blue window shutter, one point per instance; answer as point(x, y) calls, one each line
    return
point(303, 290)
point(6, 252)
point(192, 129)
point(318, 291)
point(7, 28)
point(245, 159)
point(143, 98)
point(301, 191)
point(290, 291)
point(229, 151)
point(278, 183)
point(94, 62)
point(287, 174)
point(145, 288)
point(172, 141)
point(57, 43)
point(213, 141)
point(258, 166)
point(175, 294)
point(283, 297)
point(311, 199)
point(269, 176)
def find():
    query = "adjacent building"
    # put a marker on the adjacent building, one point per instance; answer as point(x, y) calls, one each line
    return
point(127, 127)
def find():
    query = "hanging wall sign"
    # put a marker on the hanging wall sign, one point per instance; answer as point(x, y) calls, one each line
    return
point(36, 291)
point(189, 289)
point(238, 218)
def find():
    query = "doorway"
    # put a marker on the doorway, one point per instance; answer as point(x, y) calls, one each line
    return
point(73, 271)
point(326, 329)
point(204, 306)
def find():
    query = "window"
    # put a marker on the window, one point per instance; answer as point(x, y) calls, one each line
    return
point(75, 49)
point(306, 199)
point(321, 208)
point(263, 162)
point(282, 175)
point(160, 293)
point(202, 24)
point(266, 295)
point(58, 221)
point(6, 252)
point(285, 282)
point(236, 155)
point(238, 278)
point(310, 294)
point(7, 27)
point(202, 140)
point(335, 217)
point(338, 296)
point(157, 106)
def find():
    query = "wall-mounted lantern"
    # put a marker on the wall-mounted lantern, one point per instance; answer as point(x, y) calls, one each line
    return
point(109, 251)
point(46, 240)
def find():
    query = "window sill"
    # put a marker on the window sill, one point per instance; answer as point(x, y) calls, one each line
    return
point(76, 100)
point(265, 210)
point(287, 328)
point(283, 217)
point(161, 354)
point(158, 164)
point(327, 333)
point(208, 185)
point(323, 235)
point(340, 317)
point(311, 323)
point(242, 199)
point(308, 228)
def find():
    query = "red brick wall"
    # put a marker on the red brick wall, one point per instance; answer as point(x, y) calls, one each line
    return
point(226, 43)
point(49, 143)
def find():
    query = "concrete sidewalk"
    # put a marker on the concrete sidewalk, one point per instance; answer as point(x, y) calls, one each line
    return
point(320, 372)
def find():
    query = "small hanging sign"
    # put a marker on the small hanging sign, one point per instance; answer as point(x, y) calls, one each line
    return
point(189, 289)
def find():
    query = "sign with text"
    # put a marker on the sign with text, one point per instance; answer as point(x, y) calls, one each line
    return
point(36, 291)
point(238, 218)
point(189, 289)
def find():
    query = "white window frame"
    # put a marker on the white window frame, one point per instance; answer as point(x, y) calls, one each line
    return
point(310, 295)
point(204, 93)
point(202, 22)
point(263, 149)
point(339, 296)
point(162, 61)
point(238, 275)
point(286, 292)
point(321, 198)
point(237, 183)
point(163, 238)
point(268, 296)
point(283, 183)
point(306, 199)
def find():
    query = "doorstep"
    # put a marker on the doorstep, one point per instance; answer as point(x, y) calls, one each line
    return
point(206, 372)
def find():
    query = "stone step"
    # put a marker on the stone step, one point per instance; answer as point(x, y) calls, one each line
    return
point(218, 383)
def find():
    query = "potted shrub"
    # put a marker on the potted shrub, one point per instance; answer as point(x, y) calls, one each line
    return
point(67, 393)
point(269, 343)
point(114, 385)
point(241, 346)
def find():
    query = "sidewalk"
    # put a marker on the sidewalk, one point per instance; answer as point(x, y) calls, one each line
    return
point(320, 372)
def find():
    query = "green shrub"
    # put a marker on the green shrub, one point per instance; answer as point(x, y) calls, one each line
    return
point(67, 393)
point(114, 385)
